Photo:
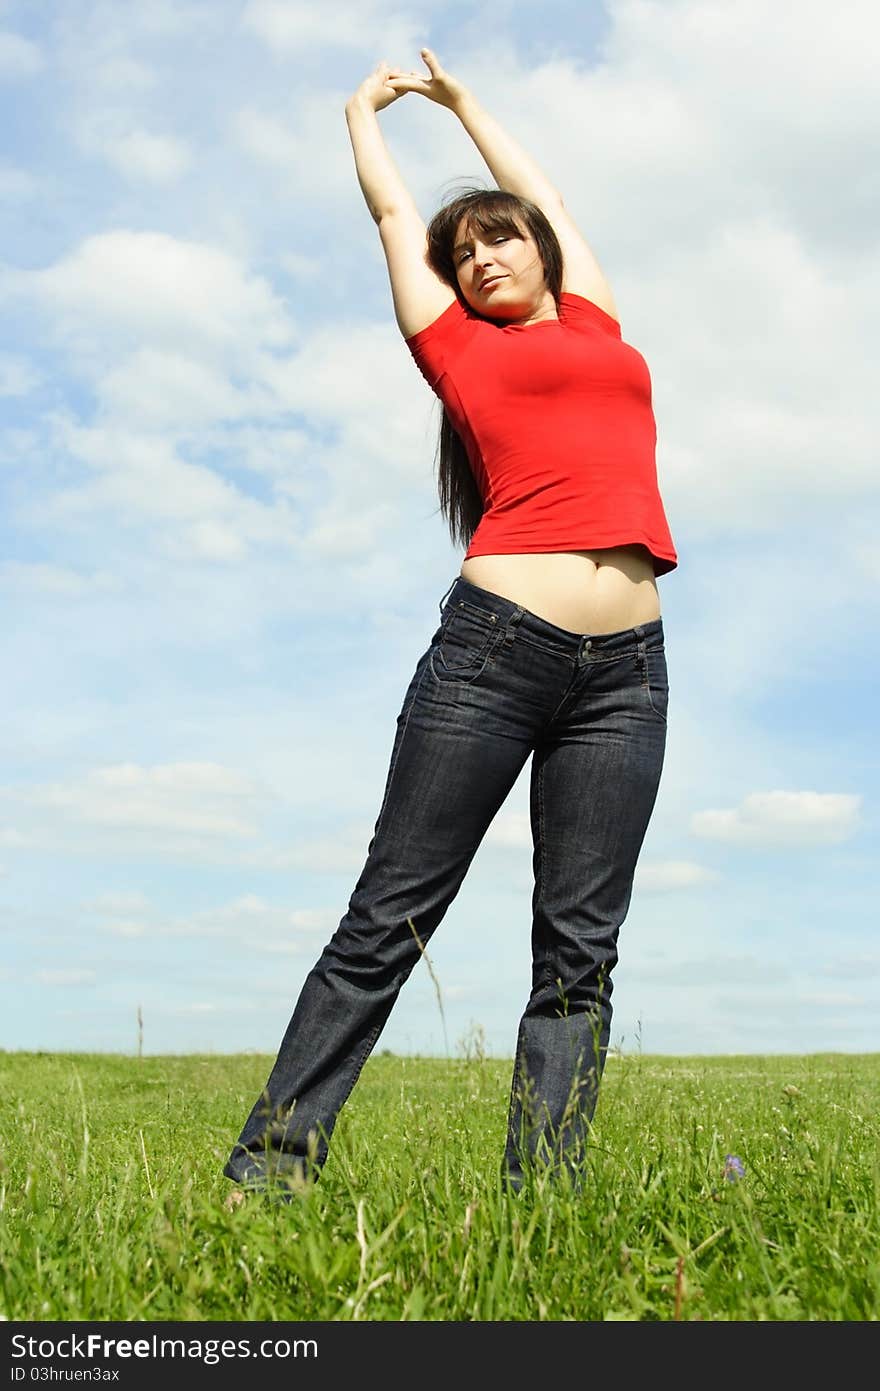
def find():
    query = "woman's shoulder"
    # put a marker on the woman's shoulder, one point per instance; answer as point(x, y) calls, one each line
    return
point(451, 316)
point(440, 344)
point(577, 310)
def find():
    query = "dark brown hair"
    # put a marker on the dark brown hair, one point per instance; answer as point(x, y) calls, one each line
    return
point(489, 210)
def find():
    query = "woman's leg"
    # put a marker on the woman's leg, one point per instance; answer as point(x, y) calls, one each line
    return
point(595, 777)
point(459, 748)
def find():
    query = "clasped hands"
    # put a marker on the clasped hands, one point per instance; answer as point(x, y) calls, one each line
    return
point(385, 84)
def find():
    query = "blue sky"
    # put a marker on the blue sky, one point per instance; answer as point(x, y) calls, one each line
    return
point(220, 546)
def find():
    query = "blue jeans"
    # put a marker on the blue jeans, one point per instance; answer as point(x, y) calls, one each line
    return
point(496, 684)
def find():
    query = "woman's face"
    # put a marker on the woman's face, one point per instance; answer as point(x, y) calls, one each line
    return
point(511, 262)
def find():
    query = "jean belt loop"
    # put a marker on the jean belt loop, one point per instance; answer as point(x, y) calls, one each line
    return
point(447, 594)
point(515, 618)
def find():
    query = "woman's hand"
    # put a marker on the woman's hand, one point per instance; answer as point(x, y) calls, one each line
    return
point(374, 90)
point(441, 86)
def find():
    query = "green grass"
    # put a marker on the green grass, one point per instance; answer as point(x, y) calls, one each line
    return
point(112, 1196)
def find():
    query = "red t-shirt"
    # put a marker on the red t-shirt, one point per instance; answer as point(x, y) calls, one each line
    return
point(557, 422)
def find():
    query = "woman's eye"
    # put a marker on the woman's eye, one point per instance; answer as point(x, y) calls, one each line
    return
point(467, 253)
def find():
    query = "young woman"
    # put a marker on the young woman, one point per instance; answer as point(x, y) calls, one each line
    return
point(550, 646)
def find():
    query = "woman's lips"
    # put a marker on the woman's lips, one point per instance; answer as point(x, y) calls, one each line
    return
point(495, 280)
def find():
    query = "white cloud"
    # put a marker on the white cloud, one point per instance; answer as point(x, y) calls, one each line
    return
point(249, 921)
point(195, 1007)
point(341, 853)
point(142, 478)
point(136, 154)
point(512, 829)
point(718, 52)
point(115, 902)
point(853, 967)
point(16, 185)
point(154, 389)
point(306, 143)
point(833, 1000)
point(118, 287)
point(782, 818)
point(73, 975)
point(119, 75)
point(867, 558)
point(382, 405)
point(268, 138)
point(104, 29)
point(290, 28)
point(128, 927)
point(301, 267)
point(56, 581)
point(19, 57)
point(14, 839)
point(665, 876)
point(18, 376)
point(355, 534)
point(254, 922)
point(188, 799)
point(703, 971)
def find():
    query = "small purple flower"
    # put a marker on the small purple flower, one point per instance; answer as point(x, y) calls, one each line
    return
point(734, 1168)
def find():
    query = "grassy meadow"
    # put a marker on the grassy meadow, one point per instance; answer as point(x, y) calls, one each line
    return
point(112, 1200)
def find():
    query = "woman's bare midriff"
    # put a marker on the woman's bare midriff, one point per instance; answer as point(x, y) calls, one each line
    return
point(602, 591)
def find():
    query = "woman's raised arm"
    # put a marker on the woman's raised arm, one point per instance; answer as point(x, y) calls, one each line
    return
point(419, 295)
point(381, 184)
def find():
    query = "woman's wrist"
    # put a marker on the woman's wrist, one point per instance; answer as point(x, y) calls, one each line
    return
point(358, 102)
point(463, 100)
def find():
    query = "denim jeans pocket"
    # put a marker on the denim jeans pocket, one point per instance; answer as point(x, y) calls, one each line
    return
point(655, 681)
point(465, 643)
